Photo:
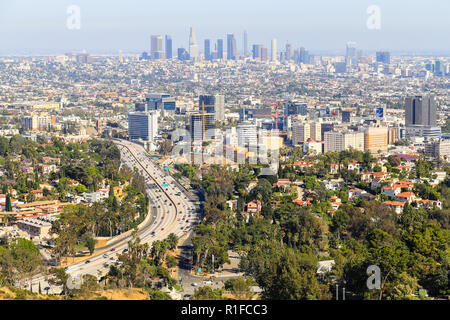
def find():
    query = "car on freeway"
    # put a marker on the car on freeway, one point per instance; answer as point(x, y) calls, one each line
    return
point(88, 261)
point(105, 255)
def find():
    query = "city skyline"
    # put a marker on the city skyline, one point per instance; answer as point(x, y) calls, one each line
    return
point(323, 27)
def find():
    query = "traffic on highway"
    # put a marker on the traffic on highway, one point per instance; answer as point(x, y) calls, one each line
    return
point(171, 211)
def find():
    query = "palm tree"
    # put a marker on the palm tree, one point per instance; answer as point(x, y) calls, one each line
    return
point(173, 241)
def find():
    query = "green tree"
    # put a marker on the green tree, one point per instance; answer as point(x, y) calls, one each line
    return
point(8, 206)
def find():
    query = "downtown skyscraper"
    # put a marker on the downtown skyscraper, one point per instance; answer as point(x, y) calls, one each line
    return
point(168, 48)
point(208, 55)
point(288, 54)
point(273, 50)
point(350, 54)
point(383, 57)
point(156, 47)
point(193, 48)
point(220, 49)
point(245, 44)
point(231, 47)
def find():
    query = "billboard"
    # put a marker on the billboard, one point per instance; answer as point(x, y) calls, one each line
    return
point(380, 113)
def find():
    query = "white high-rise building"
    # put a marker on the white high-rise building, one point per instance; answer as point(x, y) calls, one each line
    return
point(143, 125)
point(339, 141)
point(193, 48)
point(220, 107)
point(316, 131)
point(274, 50)
point(246, 132)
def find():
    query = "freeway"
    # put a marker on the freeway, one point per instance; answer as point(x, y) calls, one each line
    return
point(171, 211)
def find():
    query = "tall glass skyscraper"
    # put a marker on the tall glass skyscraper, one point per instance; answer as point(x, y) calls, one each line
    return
point(288, 55)
point(169, 47)
point(420, 110)
point(350, 55)
point(208, 55)
point(257, 51)
point(231, 47)
point(220, 49)
point(384, 57)
point(156, 50)
point(193, 48)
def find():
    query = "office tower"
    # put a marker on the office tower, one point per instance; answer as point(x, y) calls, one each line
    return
point(143, 125)
point(30, 123)
point(193, 48)
point(156, 51)
point(300, 132)
point(220, 107)
point(315, 131)
point(208, 102)
point(339, 141)
point(350, 55)
point(340, 67)
point(246, 133)
point(35, 123)
point(144, 56)
point(169, 47)
point(220, 49)
point(326, 127)
point(421, 131)
point(83, 58)
point(263, 54)
point(213, 105)
point(183, 55)
point(231, 47)
point(288, 54)
point(140, 107)
point(294, 109)
point(245, 44)
point(208, 55)
point(302, 55)
point(383, 57)
point(376, 139)
point(393, 134)
point(438, 68)
point(296, 55)
point(346, 116)
point(420, 110)
point(199, 124)
point(438, 148)
point(256, 51)
point(273, 51)
point(306, 57)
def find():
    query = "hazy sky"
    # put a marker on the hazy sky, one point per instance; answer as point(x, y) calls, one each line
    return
point(39, 26)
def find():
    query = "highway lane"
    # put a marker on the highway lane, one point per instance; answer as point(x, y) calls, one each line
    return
point(169, 206)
